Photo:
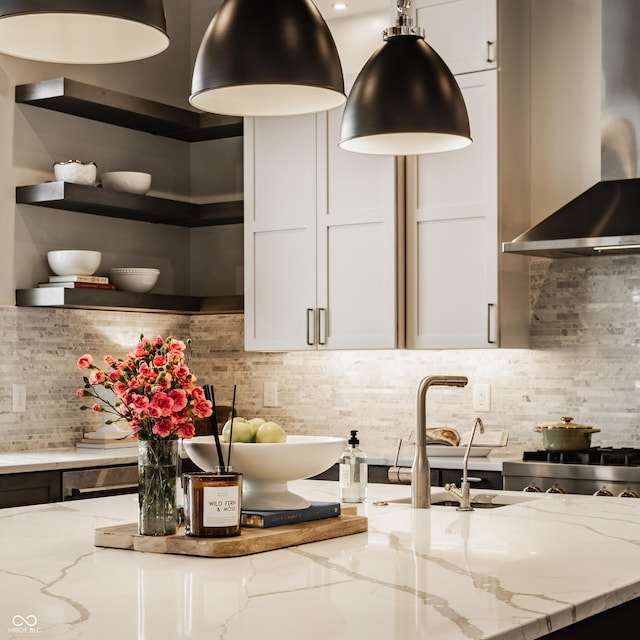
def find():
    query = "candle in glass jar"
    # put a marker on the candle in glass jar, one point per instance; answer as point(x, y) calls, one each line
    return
point(212, 504)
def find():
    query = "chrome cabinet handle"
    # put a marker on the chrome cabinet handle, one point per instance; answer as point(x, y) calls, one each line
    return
point(490, 307)
point(490, 51)
point(322, 326)
point(311, 327)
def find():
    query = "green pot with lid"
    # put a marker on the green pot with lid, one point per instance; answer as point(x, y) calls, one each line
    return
point(566, 435)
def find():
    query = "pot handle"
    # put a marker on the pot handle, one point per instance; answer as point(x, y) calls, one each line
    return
point(594, 431)
point(538, 429)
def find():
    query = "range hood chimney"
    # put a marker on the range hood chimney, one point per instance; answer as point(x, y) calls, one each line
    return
point(605, 218)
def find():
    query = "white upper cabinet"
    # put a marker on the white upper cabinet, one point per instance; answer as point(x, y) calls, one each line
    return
point(470, 42)
point(356, 244)
point(462, 292)
point(320, 239)
point(279, 230)
point(452, 243)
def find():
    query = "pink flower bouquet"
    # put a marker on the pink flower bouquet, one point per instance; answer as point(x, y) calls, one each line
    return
point(155, 390)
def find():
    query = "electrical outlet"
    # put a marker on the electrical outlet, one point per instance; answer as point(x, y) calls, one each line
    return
point(482, 397)
point(19, 398)
point(270, 394)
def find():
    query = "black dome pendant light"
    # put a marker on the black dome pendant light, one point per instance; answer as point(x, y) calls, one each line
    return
point(82, 32)
point(405, 100)
point(267, 58)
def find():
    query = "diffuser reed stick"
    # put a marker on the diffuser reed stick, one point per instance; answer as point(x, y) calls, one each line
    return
point(209, 394)
point(233, 413)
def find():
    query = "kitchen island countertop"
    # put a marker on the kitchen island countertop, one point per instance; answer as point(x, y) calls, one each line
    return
point(515, 572)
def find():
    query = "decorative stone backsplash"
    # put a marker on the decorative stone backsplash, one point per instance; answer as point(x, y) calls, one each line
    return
point(585, 331)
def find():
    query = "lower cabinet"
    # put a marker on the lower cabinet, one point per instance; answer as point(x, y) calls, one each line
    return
point(477, 479)
point(439, 477)
point(37, 487)
point(41, 487)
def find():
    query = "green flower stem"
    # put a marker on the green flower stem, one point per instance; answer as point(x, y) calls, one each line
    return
point(157, 471)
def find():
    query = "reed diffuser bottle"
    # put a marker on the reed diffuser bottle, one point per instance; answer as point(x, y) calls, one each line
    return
point(353, 472)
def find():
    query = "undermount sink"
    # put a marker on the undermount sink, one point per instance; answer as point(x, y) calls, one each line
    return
point(475, 505)
point(489, 500)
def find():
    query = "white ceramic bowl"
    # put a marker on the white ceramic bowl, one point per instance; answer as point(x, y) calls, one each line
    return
point(76, 172)
point(134, 280)
point(74, 262)
point(130, 181)
point(267, 467)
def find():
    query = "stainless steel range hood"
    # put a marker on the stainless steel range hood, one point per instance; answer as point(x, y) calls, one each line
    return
point(605, 218)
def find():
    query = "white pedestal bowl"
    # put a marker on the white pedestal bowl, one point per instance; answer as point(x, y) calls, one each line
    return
point(267, 467)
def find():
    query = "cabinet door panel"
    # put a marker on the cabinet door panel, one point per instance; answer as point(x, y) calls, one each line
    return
point(452, 233)
point(284, 181)
point(284, 285)
point(451, 313)
point(358, 184)
point(463, 32)
point(279, 230)
point(463, 182)
point(359, 313)
point(356, 243)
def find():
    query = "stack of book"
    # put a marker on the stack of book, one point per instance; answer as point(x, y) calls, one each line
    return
point(79, 282)
point(265, 519)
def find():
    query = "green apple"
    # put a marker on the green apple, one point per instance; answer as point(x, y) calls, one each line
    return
point(242, 431)
point(271, 432)
point(256, 423)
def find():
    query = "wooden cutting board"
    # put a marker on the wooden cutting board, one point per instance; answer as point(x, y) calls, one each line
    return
point(125, 536)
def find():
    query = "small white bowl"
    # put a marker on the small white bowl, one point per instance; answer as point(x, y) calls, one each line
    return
point(74, 262)
point(129, 181)
point(76, 172)
point(134, 280)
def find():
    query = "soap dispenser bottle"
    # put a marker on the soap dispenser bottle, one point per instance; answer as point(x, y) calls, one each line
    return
point(353, 472)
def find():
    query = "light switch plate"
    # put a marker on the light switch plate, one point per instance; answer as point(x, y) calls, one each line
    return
point(482, 397)
point(270, 394)
point(19, 398)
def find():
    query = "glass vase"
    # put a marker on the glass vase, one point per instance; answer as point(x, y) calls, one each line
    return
point(157, 474)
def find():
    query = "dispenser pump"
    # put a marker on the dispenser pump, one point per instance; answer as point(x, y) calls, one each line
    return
point(353, 472)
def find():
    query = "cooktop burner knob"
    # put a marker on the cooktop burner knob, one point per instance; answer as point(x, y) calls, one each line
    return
point(532, 488)
point(555, 489)
point(603, 492)
point(627, 493)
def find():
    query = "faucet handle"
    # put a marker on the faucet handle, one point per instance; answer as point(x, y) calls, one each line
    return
point(453, 490)
point(398, 451)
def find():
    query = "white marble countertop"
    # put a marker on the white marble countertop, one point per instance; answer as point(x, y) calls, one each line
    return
point(516, 572)
point(23, 461)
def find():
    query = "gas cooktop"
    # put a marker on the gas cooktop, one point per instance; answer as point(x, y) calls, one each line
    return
point(602, 471)
point(623, 456)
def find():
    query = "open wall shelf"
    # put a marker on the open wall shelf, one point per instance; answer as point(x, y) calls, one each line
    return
point(125, 301)
point(115, 108)
point(129, 206)
point(112, 107)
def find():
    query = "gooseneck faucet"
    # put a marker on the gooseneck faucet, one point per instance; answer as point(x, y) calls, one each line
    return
point(463, 495)
point(420, 472)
